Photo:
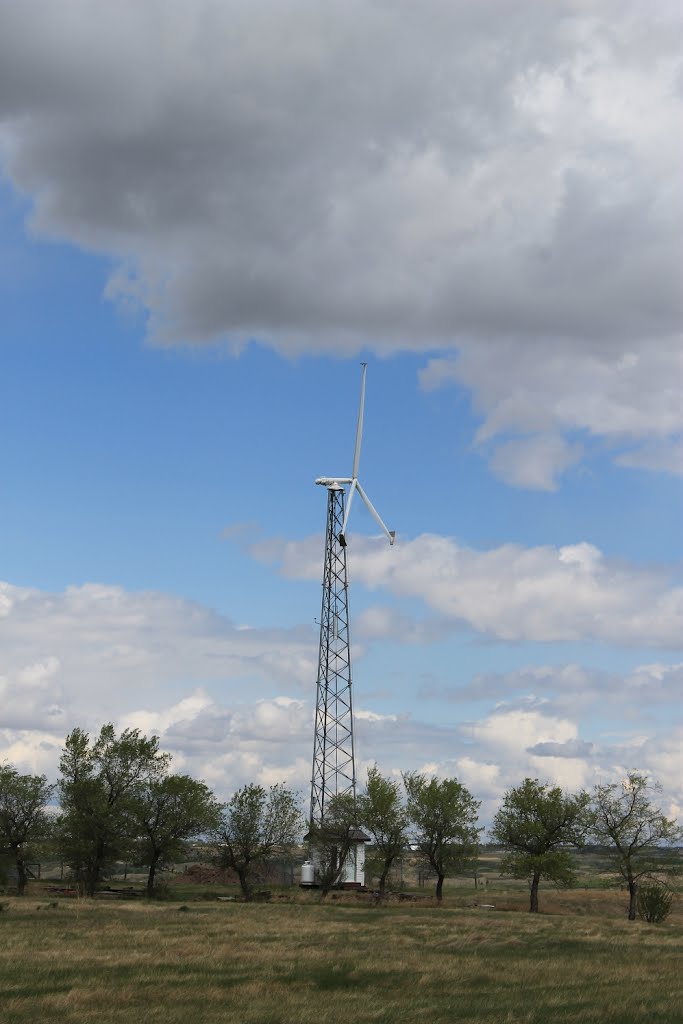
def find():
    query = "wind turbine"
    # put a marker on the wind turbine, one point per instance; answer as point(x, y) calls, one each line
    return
point(333, 751)
point(330, 482)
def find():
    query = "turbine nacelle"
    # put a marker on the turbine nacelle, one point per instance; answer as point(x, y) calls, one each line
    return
point(334, 483)
point(338, 482)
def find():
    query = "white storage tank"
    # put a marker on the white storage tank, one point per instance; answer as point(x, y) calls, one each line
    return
point(308, 873)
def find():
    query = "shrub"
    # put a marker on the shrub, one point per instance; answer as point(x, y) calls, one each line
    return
point(654, 902)
point(161, 891)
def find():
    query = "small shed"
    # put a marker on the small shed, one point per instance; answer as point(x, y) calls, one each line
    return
point(353, 871)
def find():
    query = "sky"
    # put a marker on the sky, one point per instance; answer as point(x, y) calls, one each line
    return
point(210, 214)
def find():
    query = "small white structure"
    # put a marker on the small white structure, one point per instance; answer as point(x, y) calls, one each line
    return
point(353, 871)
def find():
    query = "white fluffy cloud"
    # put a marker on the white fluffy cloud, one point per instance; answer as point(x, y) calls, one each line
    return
point(535, 462)
point(210, 690)
point(498, 179)
point(512, 737)
point(571, 593)
point(93, 649)
point(629, 396)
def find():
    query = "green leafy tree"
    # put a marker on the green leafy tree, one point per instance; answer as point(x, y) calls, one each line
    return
point(23, 819)
point(99, 785)
point(444, 815)
point(538, 825)
point(167, 812)
point(256, 825)
point(333, 839)
point(381, 811)
point(628, 818)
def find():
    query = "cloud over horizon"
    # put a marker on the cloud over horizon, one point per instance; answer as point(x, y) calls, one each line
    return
point(227, 705)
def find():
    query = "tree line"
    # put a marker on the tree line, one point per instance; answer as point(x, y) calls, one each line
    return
point(117, 799)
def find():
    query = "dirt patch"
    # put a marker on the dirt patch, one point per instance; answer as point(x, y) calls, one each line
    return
point(204, 874)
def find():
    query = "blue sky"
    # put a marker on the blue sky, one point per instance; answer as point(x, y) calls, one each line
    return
point(181, 336)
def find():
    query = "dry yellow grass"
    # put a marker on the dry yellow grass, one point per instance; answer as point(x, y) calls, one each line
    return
point(302, 963)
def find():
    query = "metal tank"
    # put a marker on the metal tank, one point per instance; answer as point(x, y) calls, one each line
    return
point(307, 873)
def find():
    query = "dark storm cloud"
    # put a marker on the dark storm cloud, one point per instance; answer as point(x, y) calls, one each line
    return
point(442, 175)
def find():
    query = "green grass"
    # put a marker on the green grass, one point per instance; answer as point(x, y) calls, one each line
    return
point(307, 963)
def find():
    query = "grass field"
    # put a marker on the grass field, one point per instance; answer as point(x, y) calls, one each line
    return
point(304, 963)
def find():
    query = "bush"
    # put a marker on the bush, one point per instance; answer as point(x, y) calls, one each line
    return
point(654, 902)
point(162, 891)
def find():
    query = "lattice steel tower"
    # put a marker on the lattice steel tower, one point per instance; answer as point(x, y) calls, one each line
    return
point(333, 753)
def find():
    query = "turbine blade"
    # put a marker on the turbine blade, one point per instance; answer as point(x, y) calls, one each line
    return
point(359, 427)
point(390, 534)
point(342, 535)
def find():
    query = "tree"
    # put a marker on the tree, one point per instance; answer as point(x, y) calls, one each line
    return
point(256, 824)
point(167, 812)
point(23, 819)
point(382, 813)
point(333, 838)
point(627, 818)
point(537, 825)
point(99, 784)
point(444, 815)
